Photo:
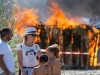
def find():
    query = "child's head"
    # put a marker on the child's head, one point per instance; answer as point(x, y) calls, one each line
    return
point(44, 58)
point(53, 50)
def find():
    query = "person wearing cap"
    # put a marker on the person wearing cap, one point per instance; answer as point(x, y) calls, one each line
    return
point(28, 51)
point(7, 65)
point(42, 69)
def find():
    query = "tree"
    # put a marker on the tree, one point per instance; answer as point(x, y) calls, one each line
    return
point(6, 13)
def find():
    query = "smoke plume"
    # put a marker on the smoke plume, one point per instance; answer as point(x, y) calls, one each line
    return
point(83, 8)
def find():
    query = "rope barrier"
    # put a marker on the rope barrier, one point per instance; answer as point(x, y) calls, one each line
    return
point(76, 53)
point(81, 53)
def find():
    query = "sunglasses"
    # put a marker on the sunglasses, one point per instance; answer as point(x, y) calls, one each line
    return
point(34, 35)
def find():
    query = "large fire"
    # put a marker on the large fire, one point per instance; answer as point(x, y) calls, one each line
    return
point(24, 19)
point(59, 17)
point(28, 17)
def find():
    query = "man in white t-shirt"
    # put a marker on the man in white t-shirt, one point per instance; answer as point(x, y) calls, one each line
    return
point(6, 57)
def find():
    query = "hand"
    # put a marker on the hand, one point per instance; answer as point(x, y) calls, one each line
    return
point(24, 73)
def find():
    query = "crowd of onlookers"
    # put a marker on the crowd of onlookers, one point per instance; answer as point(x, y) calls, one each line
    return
point(31, 60)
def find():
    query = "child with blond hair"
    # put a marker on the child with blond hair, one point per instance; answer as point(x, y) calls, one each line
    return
point(53, 63)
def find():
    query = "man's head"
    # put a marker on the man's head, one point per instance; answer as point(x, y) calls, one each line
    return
point(6, 33)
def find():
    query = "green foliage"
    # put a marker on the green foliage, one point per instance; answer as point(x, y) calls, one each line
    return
point(6, 14)
point(13, 44)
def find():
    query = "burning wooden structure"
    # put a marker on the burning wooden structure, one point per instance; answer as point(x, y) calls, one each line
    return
point(71, 40)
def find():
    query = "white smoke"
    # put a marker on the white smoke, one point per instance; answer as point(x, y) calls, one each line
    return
point(82, 8)
point(40, 5)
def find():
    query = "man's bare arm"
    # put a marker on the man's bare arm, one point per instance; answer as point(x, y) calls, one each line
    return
point(2, 65)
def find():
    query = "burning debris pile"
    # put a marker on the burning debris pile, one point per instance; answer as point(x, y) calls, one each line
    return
point(70, 34)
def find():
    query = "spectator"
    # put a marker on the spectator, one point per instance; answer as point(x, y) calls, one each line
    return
point(53, 63)
point(6, 57)
point(42, 69)
point(28, 51)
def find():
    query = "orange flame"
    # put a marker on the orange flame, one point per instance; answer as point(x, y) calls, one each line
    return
point(58, 17)
point(24, 19)
point(93, 47)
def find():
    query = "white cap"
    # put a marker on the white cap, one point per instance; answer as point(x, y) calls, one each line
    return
point(30, 30)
